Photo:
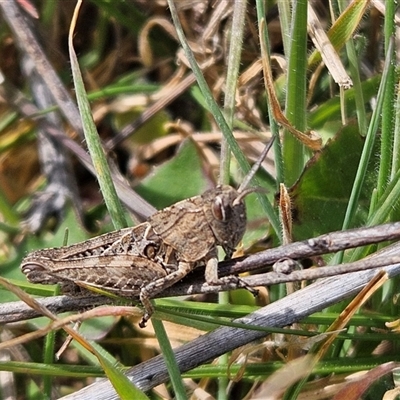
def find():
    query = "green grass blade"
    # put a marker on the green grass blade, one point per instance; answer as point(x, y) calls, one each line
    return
point(170, 361)
point(94, 144)
point(114, 371)
point(235, 50)
point(396, 139)
point(388, 112)
point(366, 153)
point(293, 151)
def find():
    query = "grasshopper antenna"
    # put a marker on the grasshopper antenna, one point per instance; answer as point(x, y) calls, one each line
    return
point(255, 168)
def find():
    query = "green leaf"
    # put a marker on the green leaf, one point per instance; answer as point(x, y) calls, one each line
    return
point(320, 197)
point(154, 128)
point(177, 179)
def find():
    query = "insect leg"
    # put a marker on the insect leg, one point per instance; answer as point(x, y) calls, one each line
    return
point(157, 286)
point(227, 282)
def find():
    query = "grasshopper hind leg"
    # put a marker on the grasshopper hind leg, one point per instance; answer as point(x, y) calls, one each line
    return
point(157, 286)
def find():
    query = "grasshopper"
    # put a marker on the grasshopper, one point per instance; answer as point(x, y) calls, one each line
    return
point(144, 260)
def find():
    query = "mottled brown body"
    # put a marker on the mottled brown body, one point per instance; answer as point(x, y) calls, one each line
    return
point(144, 260)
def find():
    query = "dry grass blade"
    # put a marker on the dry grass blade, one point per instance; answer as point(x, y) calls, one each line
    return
point(144, 42)
point(285, 213)
point(355, 390)
point(167, 97)
point(327, 50)
point(343, 319)
point(310, 139)
point(288, 375)
point(60, 323)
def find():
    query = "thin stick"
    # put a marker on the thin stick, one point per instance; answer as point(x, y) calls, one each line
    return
point(256, 166)
point(324, 244)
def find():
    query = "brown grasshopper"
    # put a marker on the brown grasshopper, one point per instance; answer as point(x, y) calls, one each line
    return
point(144, 260)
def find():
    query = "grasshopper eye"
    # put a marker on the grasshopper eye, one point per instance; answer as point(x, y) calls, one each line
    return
point(220, 211)
point(32, 267)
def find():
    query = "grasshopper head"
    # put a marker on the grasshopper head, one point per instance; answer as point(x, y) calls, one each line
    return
point(226, 214)
point(225, 210)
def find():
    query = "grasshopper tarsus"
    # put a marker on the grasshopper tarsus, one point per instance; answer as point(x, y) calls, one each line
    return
point(143, 322)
